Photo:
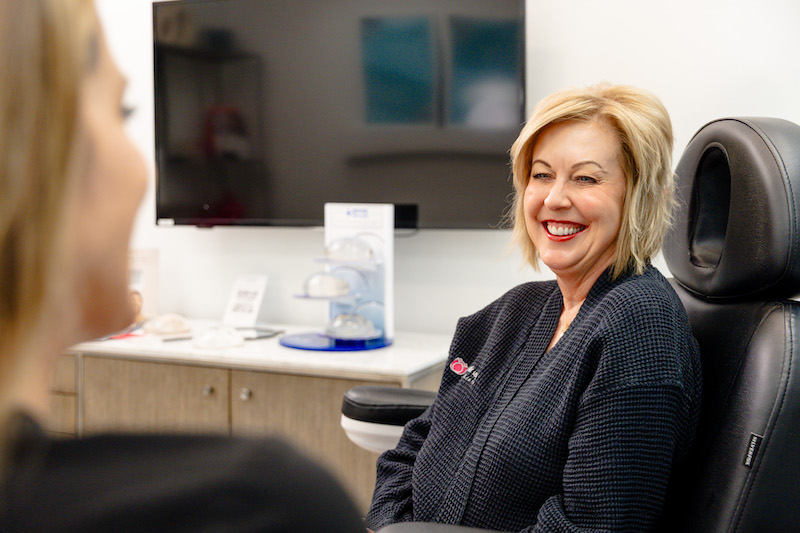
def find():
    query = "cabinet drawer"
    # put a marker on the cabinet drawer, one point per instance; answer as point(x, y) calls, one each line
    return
point(126, 395)
point(64, 376)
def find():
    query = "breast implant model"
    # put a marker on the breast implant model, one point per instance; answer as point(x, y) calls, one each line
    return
point(356, 280)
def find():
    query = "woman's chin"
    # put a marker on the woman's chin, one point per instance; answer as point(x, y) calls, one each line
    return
point(108, 326)
point(558, 263)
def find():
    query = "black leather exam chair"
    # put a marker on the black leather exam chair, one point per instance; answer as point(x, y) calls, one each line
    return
point(734, 252)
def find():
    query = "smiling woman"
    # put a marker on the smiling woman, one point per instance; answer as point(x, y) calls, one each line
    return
point(584, 391)
point(573, 206)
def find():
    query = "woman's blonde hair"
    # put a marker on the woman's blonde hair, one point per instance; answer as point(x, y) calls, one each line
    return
point(644, 130)
point(46, 48)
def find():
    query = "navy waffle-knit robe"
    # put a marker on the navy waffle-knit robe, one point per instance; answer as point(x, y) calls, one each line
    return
point(584, 435)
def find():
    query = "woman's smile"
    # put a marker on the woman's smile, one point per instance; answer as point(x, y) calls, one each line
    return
point(559, 230)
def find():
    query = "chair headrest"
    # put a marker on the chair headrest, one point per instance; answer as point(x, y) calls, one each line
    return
point(737, 230)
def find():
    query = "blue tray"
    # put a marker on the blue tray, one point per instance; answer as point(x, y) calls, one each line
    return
point(324, 343)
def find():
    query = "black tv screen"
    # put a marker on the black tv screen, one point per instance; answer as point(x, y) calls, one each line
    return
point(268, 109)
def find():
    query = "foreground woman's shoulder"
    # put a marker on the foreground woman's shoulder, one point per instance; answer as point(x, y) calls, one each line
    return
point(170, 483)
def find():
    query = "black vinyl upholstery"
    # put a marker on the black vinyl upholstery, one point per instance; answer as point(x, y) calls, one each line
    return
point(735, 257)
point(385, 405)
point(734, 252)
point(735, 235)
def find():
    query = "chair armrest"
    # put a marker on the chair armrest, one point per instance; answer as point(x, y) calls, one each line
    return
point(419, 527)
point(385, 405)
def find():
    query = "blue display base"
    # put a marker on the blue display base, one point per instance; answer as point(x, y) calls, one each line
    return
point(324, 343)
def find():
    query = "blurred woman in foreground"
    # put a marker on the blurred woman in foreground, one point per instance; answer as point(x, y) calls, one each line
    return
point(70, 184)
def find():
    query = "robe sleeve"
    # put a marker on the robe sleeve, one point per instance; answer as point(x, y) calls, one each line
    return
point(620, 456)
point(392, 499)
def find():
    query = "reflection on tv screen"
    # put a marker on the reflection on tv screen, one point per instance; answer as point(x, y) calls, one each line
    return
point(268, 109)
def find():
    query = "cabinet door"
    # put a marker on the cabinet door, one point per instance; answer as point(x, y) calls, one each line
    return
point(307, 411)
point(63, 393)
point(119, 394)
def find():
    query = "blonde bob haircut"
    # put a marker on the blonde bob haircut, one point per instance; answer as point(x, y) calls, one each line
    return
point(644, 130)
point(45, 52)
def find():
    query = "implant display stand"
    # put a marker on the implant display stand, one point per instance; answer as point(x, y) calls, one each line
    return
point(356, 281)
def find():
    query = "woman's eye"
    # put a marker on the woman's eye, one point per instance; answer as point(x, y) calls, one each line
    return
point(540, 175)
point(126, 111)
point(586, 179)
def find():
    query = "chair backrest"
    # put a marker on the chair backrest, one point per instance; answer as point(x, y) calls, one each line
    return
point(734, 252)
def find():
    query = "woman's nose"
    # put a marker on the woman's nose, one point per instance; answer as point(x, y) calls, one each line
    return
point(557, 197)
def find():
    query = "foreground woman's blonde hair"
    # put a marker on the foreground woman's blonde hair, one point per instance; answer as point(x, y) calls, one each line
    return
point(45, 52)
point(644, 130)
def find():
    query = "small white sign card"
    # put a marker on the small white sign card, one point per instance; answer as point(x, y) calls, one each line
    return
point(245, 301)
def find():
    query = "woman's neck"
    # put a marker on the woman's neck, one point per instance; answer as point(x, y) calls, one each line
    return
point(574, 290)
point(575, 286)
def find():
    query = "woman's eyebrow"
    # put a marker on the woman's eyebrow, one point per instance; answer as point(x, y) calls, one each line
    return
point(587, 162)
point(575, 166)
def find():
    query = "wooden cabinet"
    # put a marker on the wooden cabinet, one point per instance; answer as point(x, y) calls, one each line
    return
point(258, 389)
point(131, 395)
point(120, 394)
point(64, 397)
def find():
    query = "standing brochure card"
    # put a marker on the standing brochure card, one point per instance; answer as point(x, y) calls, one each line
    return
point(245, 301)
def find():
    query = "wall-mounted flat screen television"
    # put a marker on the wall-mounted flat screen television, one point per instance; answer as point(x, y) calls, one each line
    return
point(267, 109)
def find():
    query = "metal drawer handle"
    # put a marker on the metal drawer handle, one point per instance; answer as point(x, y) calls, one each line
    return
point(245, 394)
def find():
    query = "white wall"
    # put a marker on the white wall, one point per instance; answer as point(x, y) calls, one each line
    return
point(705, 59)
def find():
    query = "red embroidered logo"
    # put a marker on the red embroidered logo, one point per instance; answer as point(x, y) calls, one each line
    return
point(458, 366)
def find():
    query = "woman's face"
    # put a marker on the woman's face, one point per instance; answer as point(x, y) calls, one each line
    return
point(573, 200)
point(111, 178)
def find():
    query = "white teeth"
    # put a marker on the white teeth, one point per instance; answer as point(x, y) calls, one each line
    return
point(560, 231)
